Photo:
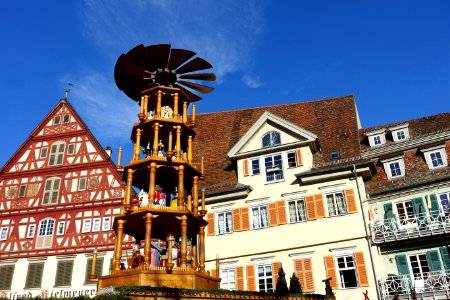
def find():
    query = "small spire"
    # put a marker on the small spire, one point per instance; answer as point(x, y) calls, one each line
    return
point(69, 85)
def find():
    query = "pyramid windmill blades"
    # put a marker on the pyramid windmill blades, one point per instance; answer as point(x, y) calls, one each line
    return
point(126, 70)
point(155, 57)
point(201, 76)
point(134, 54)
point(179, 57)
point(198, 87)
point(192, 97)
point(194, 65)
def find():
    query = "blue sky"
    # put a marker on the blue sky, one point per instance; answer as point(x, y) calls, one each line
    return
point(393, 56)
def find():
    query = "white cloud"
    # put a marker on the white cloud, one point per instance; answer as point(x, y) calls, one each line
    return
point(252, 81)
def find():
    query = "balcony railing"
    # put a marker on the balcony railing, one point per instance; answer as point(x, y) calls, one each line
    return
point(410, 227)
point(431, 285)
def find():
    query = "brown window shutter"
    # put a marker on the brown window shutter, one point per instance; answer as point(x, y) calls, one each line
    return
point(245, 221)
point(245, 165)
point(273, 214)
point(281, 207)
point(320, 209)
point(213, 273)
point(211, 226)
point(330, 270)
point(298, 153)
point(361, 268)
point(275, 268)
point(251, 284)
point(303, 271)
point(351, 203)
point(310, 208)
point(240, 278)
point(236, 212)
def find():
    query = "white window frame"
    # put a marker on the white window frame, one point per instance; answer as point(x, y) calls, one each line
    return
point(429, 151)
point(61, 228)
point(96, 224)
point(336, 212)
point(252, 169)
point(52, 190)
point(225, 282)
point(266, 278)
point(48, 229)
point(3, 233)
point(400, 129)
point(298, 218)
point(86, 225)
point(68, 118)
point(294, 153)
point(259, 224)
point(387, 164)
point(44, 152)
point(31, 230)
point(445, 196)
point(57, 151)
point(346, 268)
point(272, 135)
point(226, 221)
point(71, 149)
point(275, 170)
point(106, 224)
point(373, 136)
point(56, 120)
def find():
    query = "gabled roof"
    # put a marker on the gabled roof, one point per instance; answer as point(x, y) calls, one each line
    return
point(302, 135)
point(334, 121)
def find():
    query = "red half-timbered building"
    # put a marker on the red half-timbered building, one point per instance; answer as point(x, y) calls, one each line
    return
point(58, 195)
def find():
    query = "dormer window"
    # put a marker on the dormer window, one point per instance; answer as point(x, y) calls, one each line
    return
point(376, 137)
point(400, 132)
point(274, 168)
point(271, 138)
point(436, 157)
point(394, 167)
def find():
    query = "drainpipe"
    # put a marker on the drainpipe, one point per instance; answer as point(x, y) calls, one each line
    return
point(368, 237)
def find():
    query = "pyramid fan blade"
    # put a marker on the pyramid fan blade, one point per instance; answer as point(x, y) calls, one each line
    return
point(126, 72)
point(179, 57)
point(192, 97)
point(155, 57)
point(198, 87)
point(134, 54)
point(202, 76)
point(194, 65)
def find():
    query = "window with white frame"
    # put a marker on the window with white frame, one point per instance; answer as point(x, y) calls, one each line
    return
point(228, 279)
point(71, 149)
point(436, 157)
point(405, 212)
point(224, 222)
point(274, 168)
point(336, 204)
point(420, 266)
point(400, 132)
point(400, 135)
point(347, 271)
point(87, 225)
point(444, 199)
point(56, 120)
point(30, 230)
point(57, 154)
point(394, 168)
point(106, 225)
point(297, 210)
point(82, 184)
point(259, 217)
point(51, 190)
point(264, 278)
point(271, 138)
point(96, 224)
point(377, 140)
point(66, 118)
point(255, 166)
point(44, 152)
point(45, 233)
point(3, 233)
point(292, 159)
point(377, 137)
point(60, 229)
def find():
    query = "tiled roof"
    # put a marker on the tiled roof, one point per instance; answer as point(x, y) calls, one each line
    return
point(333, 120)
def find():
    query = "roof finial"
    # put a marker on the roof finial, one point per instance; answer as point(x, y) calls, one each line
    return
point(68, 88)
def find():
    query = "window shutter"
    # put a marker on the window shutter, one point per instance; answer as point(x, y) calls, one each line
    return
point(419, 208)
point(303, 271)
point(298, 153)
point(34, 275)
point(330, 270)
point(211, 225)
point(361, 269)
point(434, 206)
point(245, 221)
point(98, 268)
point(273, 214)
point(445, 256)
point(240, 278)
point(388, 213)
point(402, 264)
point(433, 258)
point(213, 273)
point(281, 207)
point(64, 273)
point(6, 278)
point(310, 208)
point(245, 163)
point(351, 202)
point(320, 209)
point(275, 268)
point(251, 285)
point(236, 219)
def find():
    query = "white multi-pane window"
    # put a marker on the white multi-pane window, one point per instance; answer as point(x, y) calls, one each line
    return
point(297, 210)
point(401, 135)
point(87, 225)
point(336, 204)
point(106, 224)
point(420, 266)
point(228, 279)
point(3, 233)
point(51, 192)
point(259, 217)
point(224, 222)
point(395, 169)
point(436, 159)
point(255, 166)
point(264, 278)
point(46, 227)
point(57, 154)
point(96, 224)
point(347, 271)
point(30, 230)
point(60, 229)
point(405, 211)
point(271, 138)
point(445, 202)
point(274, 168)
point(377, 140)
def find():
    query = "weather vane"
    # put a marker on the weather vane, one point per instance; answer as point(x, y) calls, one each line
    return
point(68, 88)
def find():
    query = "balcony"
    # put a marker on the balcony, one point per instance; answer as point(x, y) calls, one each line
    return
point(404, 228)
point(431, 285)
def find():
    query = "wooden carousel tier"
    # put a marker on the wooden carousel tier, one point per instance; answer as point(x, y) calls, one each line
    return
point(165, 221)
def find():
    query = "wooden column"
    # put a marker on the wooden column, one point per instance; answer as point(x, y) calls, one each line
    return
point(155, 139)
point(183, 250)
point(185, 112)
point(169, 264)
point(195, 194)
point(202, 248)
point(175, 105)
point(148, 238)
point(152, 183)
point(189, 154)
point(137, 145)
point(159, 95)
point(119, 159)
point(180, 185)
point(128, 187)
point(194, 255)
point(118, 244)
point(178, 142)
point(145, 108)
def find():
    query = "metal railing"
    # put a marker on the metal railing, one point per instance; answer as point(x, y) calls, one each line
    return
point(431, 285)
point(401, 228)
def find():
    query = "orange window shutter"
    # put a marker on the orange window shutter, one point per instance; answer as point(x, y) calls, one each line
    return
point(273, 214)
point(240, 278)
point(245, 165)
point(251, 284)
point(298, 268)
point(245, 221)
point(275, 268)
point(236, 219)
point(320, 208)
point(211, 225)
point(308, 275)
point(213, 273)
point(330, 270)
point(351, 203)
point(298, 153)
point(281, 207)
point(361, 269)
point(310, 208)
